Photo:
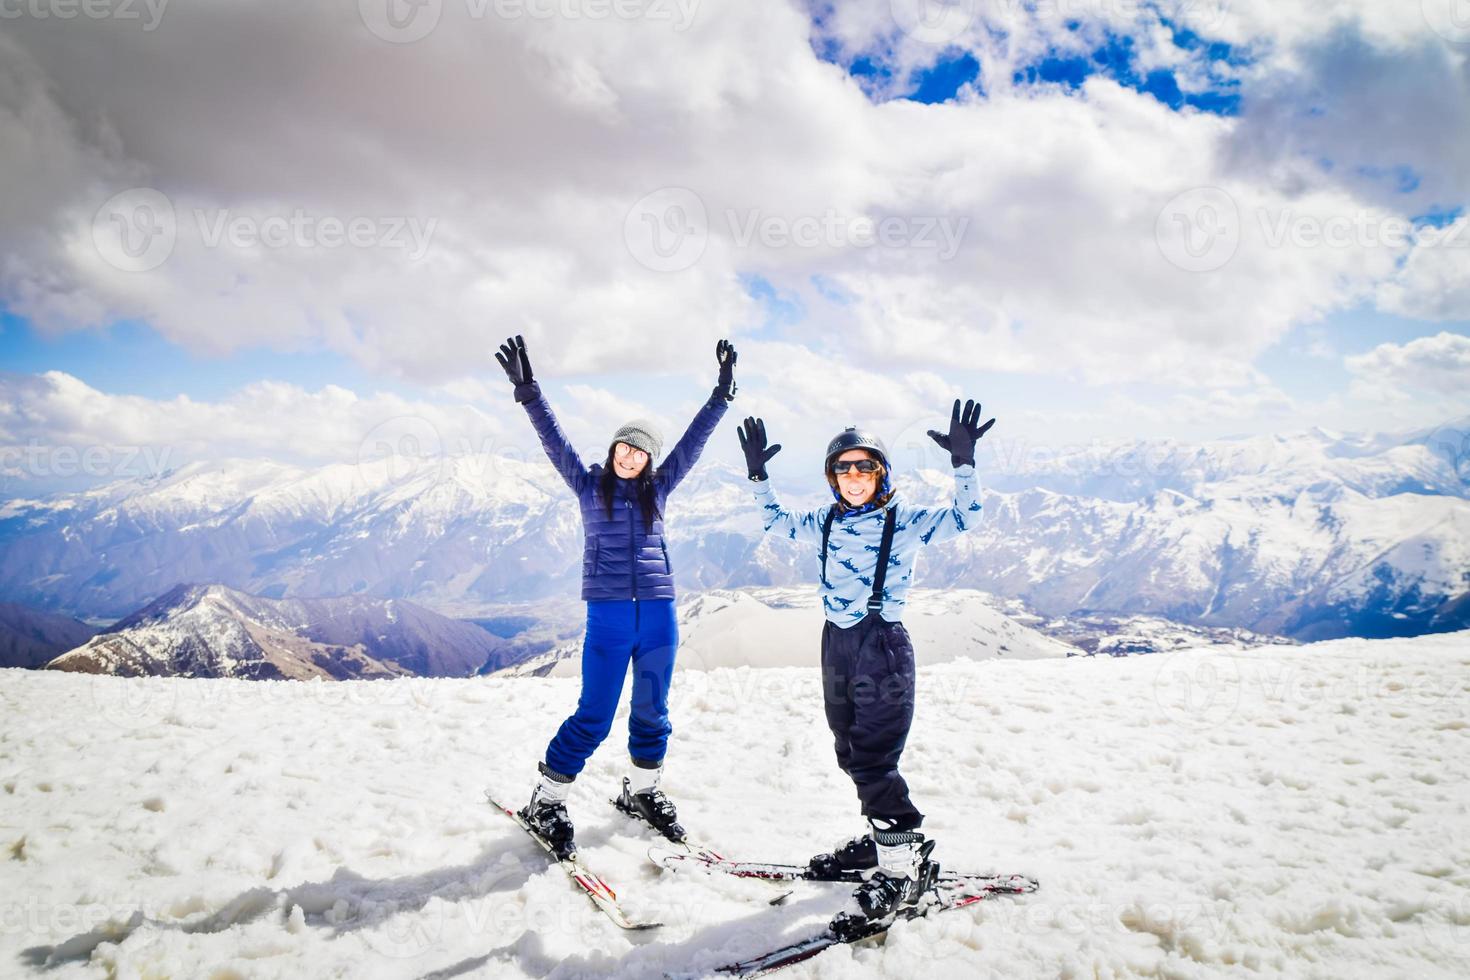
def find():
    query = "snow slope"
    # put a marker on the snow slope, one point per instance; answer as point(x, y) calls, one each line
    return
point(1278, 811)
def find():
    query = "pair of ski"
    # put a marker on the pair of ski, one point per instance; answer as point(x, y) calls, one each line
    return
point(950, 890)
point(596, 889)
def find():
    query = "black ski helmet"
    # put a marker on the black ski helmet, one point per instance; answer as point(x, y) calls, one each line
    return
point(854, 438)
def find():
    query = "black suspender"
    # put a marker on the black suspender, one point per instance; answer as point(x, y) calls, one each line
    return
point(885, 548)
point(875, 601)
point(826, 533)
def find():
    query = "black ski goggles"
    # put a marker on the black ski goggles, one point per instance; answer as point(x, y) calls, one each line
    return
point(861, 465)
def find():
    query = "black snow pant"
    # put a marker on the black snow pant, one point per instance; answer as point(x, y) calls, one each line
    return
point(868, 692)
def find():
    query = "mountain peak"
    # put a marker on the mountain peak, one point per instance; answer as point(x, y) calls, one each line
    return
point(252, 637)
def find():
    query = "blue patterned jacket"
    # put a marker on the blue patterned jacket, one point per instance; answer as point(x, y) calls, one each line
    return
point(852, 548)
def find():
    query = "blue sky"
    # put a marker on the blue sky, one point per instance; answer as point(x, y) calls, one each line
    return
point(1082, 54)
point(130, 358)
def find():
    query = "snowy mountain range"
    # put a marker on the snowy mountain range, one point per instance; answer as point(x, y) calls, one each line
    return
point(1311, 536)
point(213, 631)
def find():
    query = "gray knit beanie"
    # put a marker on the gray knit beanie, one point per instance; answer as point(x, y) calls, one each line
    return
point(641, 434)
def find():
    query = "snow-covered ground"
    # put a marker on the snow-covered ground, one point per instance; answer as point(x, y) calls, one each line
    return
point(1274, 811)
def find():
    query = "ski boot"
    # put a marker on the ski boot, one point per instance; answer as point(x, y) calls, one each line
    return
point(547, 812)
point(854, 854)
point(648, 803)
point(905, 874)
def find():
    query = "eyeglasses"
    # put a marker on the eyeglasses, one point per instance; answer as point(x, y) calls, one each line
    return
point(861, 465)
point(623, 449)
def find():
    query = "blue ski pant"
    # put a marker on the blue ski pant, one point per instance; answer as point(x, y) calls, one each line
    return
point(644, 633)
point(868, 692)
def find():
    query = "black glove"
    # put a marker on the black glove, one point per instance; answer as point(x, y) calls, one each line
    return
point(964, 431)
point(725, 354)
point(753, 443)
point(512, 357)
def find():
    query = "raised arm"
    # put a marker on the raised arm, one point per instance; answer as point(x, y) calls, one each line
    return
point(512, 357)
point(803, 526)
point(686, 452)
point(964, 514)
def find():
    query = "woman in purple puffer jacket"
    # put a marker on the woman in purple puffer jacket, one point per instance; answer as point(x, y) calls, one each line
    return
point(628, 585)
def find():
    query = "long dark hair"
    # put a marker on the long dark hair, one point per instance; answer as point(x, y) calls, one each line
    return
point(647, 499)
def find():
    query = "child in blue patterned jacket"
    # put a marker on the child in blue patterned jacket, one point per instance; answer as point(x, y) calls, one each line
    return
point(867, 542)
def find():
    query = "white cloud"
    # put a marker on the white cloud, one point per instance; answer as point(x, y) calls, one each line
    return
point(609, 410)
point(1372, 114)
point(594, 414)
point(801, 382)
point(1432, 369)
point(524, 144)
point(1434, 283)
point(49, 421)
point(1196, 415)
point(1234, 405)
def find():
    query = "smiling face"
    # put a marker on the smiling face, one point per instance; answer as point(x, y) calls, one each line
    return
point(856, 488)
point(628, 461)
